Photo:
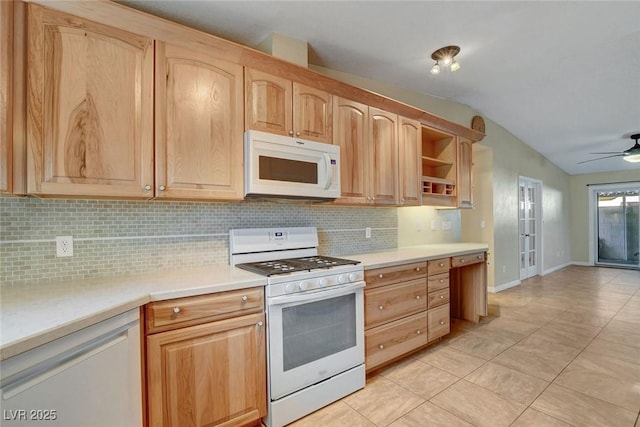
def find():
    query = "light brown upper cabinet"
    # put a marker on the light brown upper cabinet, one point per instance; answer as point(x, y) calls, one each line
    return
point(439, 161)
point(410, 152)
point(277, 105)
point(6, 94)
point(368, 139)
point(199, 105)
point(90, 104)
point(465, 176)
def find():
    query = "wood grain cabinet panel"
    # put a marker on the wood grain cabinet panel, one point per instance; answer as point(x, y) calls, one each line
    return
point(437, 298)
point(464, 180)
point(438, 281)
point(439, 322)
point(391, 302)
point(410, 154)
point(383, 154)
point(199, 110)
point(212, 374)
point(437, 266)
point(90, 104)
point(398, 273)
point(278, 105)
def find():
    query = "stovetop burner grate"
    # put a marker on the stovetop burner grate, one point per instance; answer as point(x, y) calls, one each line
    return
point(290, 265)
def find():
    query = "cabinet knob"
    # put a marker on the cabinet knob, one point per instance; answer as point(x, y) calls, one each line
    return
point(462, 260)
point(380, 307)
point(418, 332)
point(479, 257)
point(147, 187)
point(381, 347)
point(417, 296)
point(441, 264)
point(441, 280)
point(441, 296)
point(291, 132)
point(176, 310)
point(417, 268)
point(442, 322)
point(380, 276)
point(260, 323)
point(161, 188)
point(297, 133)
point(244, 298)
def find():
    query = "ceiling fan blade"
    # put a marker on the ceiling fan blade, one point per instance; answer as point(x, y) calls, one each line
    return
point(600, 158)
point(607, 152)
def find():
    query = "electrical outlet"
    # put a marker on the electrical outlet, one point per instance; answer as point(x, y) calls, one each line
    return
point(64, 246)
point(504, 268)
point(446, 225)
point(367, 233)
point(483, 224)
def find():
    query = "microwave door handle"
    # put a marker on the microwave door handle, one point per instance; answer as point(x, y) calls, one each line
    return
point(327, 168)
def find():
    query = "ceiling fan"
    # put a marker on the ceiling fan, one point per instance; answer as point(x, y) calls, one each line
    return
point(630, 155)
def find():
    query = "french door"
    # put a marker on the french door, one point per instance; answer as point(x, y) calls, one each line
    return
point(617, 226)
point(529, 195)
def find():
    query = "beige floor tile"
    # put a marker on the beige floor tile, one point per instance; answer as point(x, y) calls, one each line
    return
point(614, 350)
point(574, 328)
point(477, 405)
point(620, 288)
point(594, 375)
point(622, 332)
point(430, 415)
point(514, 329)
point(382, 401)
point(338, 414)
point(451, 360)
point(483, 344)
point(629, 313)
point(538, 357)
point(580, 410)
point(533, 418)
point(552, 333)
point(419, 378)
point(508, 383)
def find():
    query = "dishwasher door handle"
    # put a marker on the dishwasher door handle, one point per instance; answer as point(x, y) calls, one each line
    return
point(34, 375)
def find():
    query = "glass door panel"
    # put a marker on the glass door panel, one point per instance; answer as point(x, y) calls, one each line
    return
point(618, 227)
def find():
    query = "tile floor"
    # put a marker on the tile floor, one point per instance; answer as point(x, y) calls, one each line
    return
point(558, 350)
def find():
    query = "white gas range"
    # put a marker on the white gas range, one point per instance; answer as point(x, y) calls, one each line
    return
point(315, 319)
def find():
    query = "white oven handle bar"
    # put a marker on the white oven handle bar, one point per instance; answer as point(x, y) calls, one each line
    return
point(318, 295)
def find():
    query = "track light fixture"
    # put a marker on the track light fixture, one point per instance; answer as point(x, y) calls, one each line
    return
point(446, 57)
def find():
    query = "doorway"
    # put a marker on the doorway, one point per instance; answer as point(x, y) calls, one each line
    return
point(529, 226)
point(616, 225)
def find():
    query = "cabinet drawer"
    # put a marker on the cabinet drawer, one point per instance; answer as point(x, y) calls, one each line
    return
point(181, 312)
point(437, 298)
point(394, 301)
point(398, 273)
point(438, 281)
point(394, 339)
point(462, 260)
point(437, 266)
point(439, 322)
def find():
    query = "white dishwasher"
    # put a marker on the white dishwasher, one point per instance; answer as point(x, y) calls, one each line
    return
point(90, 378)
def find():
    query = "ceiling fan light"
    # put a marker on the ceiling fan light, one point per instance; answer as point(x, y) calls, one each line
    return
point(455, 65)
point(633, 158)
point(447, 60)
point(435, 69)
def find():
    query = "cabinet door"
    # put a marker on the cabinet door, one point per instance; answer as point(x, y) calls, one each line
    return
point(268, 102)
point(199, 113)
point(465, 178)
point(90, 108)
point(6, 101)
point(312, 113)
point(350, 132)
point(410, 155)
point(208, 375)
point(383, 144)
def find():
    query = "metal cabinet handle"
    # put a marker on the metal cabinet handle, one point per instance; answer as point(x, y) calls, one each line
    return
point(441, 280)
point(161, 188)
point(418, 332)
point(442, 322)
point(176, 310)
point(381, 347)
point(380, 276)
point(291, 132)
point(462, 260)
point(417, 268)
point(147, 187)
point(244, 298)
point(297, 133)
point(417, 296)
point(441, 264)
point(479, 257)
point(441, 296)
point(380, 307)
point(259, 324)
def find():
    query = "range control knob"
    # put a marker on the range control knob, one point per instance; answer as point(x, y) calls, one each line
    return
point(324, 282)
point(353, 277)
point(305, 286)
point(342, 278)
point(291, 287)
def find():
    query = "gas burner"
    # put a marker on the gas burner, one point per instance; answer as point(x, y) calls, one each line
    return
point(290, 265)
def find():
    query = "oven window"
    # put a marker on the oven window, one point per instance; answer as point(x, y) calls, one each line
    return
point(277, 169)
point(318, 329)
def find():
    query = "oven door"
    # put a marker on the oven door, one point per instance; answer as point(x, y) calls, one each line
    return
point(314, 336)
point(277, 165)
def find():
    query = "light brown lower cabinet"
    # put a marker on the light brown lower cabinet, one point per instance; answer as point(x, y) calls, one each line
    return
point(209, 374)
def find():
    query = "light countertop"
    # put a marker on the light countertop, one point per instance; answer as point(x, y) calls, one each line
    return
point(34, 314)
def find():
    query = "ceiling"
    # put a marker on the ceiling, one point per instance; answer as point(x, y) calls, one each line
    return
point(562, 76)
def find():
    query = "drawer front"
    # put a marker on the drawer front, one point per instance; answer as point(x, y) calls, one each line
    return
point(438, 281)
point(398, 273)
point(439, 322)
point(462, 260)
point(437, 298)
point(438, 266)
point(394, 301)
point(181, 312)
point(394, 339)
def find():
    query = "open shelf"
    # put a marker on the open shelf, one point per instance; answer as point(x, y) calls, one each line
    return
point(438, 168)
point(434, 162)
point(444, 187)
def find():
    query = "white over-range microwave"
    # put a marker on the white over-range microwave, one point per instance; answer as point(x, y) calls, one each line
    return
point(281, 166)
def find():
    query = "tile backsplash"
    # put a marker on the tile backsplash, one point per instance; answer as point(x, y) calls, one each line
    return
point(119, 237)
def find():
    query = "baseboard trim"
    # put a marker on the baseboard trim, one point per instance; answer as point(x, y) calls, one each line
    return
point(502, 287)
point(556, 268)
point(582, 263)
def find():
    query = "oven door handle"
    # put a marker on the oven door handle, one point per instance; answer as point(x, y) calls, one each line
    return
point(310, 296)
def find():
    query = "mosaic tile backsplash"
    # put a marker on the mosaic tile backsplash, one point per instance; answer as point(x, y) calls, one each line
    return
point(121, 237)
